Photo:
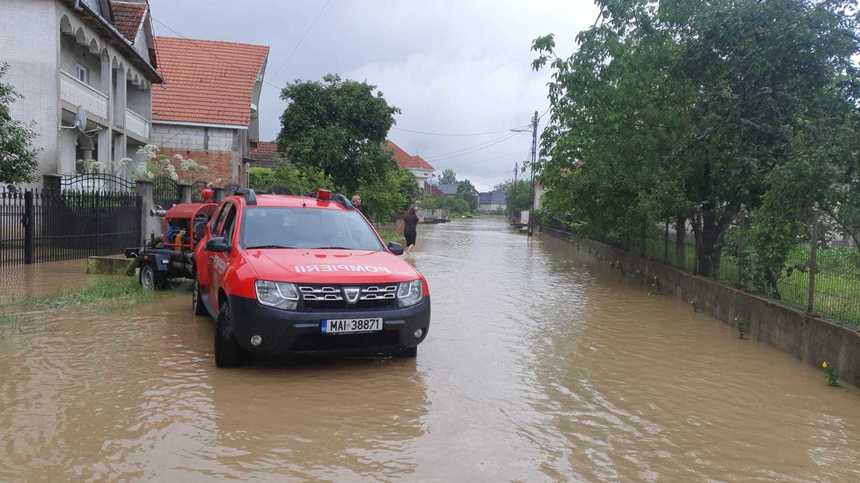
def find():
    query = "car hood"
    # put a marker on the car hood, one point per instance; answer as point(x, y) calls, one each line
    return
point(329, 266)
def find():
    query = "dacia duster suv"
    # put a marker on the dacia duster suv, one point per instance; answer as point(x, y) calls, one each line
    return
point(292, 275)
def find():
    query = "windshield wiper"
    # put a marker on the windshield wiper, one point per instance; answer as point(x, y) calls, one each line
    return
point(268, 246)
point(331, 248)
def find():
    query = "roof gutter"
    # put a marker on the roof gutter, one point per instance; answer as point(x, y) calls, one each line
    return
point(116, 38)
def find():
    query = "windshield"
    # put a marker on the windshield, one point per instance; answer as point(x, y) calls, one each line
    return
point(273, 227)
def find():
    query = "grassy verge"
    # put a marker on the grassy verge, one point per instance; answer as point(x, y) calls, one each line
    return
point(104, 293)
point(388, 233)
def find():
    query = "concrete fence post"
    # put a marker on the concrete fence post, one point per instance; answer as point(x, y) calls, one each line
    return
point(219, 194)
point(148, 225)
point(185, 193)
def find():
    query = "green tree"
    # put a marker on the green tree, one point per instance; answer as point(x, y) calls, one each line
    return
point(700, 111)
point(289, 179)
point(517, 195)
point(448, 176)
point(338, 126)
point(17, 155)
point(466, 191)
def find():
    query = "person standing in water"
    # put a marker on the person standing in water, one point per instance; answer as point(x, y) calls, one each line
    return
point(410, 225)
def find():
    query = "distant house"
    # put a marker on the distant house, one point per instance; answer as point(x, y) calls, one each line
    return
point(420, 169)
point(208, 107)
point(449, 189)
point(492, 201)
point(76, 59)
point(265, 154)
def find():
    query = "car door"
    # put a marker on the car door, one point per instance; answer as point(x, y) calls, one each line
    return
point(220, 261)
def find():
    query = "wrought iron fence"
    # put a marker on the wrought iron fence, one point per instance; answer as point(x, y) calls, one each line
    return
point(165, 192)
point(821, 277)
point(50, 225)
point(95, 182)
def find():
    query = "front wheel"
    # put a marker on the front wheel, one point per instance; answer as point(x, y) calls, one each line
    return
point(227, 350)
point(410, 353)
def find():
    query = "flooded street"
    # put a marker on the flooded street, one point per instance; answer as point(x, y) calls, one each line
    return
point(537, 367)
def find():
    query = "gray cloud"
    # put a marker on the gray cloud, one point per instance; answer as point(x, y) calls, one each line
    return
point(451, 67)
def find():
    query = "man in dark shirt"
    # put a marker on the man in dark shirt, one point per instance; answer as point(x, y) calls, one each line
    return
point(356, 202)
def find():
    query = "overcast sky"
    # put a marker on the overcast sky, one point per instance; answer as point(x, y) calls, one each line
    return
point(451, 67)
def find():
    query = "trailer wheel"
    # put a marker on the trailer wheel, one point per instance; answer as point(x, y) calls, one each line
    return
point(196, 303)
point(150, 279)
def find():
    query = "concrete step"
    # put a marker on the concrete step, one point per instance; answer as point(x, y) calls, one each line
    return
point(109, 265)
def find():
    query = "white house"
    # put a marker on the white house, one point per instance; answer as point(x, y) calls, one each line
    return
point(416, 165)
point(71, 56)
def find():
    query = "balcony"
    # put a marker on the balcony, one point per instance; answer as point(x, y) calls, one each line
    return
point(80, 94)
point(136, 126)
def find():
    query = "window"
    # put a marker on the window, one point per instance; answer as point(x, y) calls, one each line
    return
point(307, 228)
point(82, 73)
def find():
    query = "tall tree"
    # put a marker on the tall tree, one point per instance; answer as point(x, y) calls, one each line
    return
point(448, 176)
point(690, 109)
point(338, 126)
point(17, 155)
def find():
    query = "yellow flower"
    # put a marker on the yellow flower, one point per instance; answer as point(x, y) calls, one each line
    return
point(825, 365)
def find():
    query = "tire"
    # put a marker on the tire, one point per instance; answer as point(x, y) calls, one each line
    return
point(410, 353)
point(227, 350)
point(149, 278)
point(196, 303)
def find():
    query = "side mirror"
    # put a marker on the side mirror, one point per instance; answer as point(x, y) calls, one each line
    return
point(217, 244)
point(395, 248)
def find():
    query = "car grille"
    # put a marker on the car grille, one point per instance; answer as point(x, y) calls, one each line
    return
point(333, 297)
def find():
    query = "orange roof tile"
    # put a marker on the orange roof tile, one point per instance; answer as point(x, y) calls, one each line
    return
point(127, 17)
point(404, 159)
point(266, 155)
point(206, 81)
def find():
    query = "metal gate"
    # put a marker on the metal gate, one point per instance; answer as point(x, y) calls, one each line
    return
point(165, 192)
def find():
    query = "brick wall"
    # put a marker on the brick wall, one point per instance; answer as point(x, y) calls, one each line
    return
point(221, 158)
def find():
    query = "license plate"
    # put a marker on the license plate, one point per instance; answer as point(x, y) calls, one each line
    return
point(351, 326)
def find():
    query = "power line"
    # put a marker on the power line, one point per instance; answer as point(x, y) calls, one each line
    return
point(307, 32)
point(431, 133)
point(471, 149)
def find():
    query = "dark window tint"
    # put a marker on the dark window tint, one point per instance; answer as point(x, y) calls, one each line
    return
point(307, 228)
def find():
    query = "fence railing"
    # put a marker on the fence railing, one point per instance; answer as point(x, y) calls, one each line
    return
point(165, 192)
point(820, 277)
point(51, 225)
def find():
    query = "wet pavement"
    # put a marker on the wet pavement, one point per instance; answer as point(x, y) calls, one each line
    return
point(538, 366)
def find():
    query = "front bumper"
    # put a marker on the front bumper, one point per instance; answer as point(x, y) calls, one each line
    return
point(286, 332)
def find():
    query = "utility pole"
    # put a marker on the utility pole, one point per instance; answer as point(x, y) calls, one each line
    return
point(532, 181)
point(516, 168)
point(534, 124)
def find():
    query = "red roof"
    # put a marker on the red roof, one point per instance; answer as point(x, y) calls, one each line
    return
point(206, 81)
point(265, 154)
point(127, 17)
point(404, 159)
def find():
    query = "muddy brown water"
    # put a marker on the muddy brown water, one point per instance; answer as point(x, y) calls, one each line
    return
point(538, 367)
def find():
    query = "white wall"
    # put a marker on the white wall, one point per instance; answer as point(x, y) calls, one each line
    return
point(191, 137)
point(29, 38)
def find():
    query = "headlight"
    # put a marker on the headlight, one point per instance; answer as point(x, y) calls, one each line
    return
point(277, 294)
point(409, 293)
